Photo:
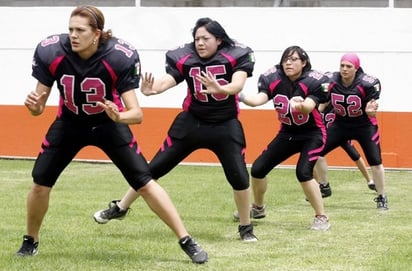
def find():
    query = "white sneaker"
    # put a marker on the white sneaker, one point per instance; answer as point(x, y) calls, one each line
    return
point(320, 223)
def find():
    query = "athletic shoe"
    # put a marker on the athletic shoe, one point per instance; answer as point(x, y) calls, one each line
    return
point(28, 248)
point(320, 223)
point(382, 202)
point(246, 233)
point(255, 212)
point(372, 185)
point(113, 212)
point(193, 250)
point(325, 190)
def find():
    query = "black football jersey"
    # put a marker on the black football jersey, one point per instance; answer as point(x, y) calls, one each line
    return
point(184, 64)
point(112, 70)
point(276, 85)
point(349, 102)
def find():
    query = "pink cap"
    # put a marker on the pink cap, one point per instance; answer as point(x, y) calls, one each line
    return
point(352, 58)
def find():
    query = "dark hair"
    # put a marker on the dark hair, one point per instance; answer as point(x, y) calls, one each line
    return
point(96, 20)
point(301, 53)
point(214, 28)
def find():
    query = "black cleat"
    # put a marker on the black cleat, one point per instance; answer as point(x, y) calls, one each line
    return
point(28, 248)
point(193, 250)
point(372, 186)
point(113, 212)
point(381, 202)
point(325, 190)
point(255, 212)
point(246, 233)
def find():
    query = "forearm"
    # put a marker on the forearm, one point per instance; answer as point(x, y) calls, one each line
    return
point(134, 116)
point(163, 84)
point(305, 107)
point(254, 100)
point(231, 88)
point(236, 85)
point(132, 112)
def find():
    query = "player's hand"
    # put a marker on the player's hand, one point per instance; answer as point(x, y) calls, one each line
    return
point(146, 86)
point(371, 107)
point(111, 109)
point(35, 102)
point(296, 103)
point(209, 81)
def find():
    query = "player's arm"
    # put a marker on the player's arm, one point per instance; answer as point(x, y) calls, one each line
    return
point(36, 99)
point(304, 106)
point(132, 114)
point(212, 85)
point(150, 86)
point(255, 99)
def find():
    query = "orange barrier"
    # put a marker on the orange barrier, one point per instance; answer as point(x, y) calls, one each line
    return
point(21, 135)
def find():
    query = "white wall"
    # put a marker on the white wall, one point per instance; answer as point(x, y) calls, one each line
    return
point(381, 36)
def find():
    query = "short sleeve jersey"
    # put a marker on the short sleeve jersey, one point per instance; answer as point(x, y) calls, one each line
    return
point(349, 102)
point(184, 63)
point(112, 70)
point(276, 85)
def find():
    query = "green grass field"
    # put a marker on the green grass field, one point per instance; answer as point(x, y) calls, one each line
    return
point(361, 238)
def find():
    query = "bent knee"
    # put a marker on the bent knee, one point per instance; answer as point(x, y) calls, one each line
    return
point(40, 189)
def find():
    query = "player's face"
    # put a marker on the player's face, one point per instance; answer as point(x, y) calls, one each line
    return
point(293, 66)
point(83, 37)
point(206, 44)
point(347, 71)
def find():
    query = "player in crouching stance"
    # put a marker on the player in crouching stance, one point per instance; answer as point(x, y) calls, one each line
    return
point(95, 74)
